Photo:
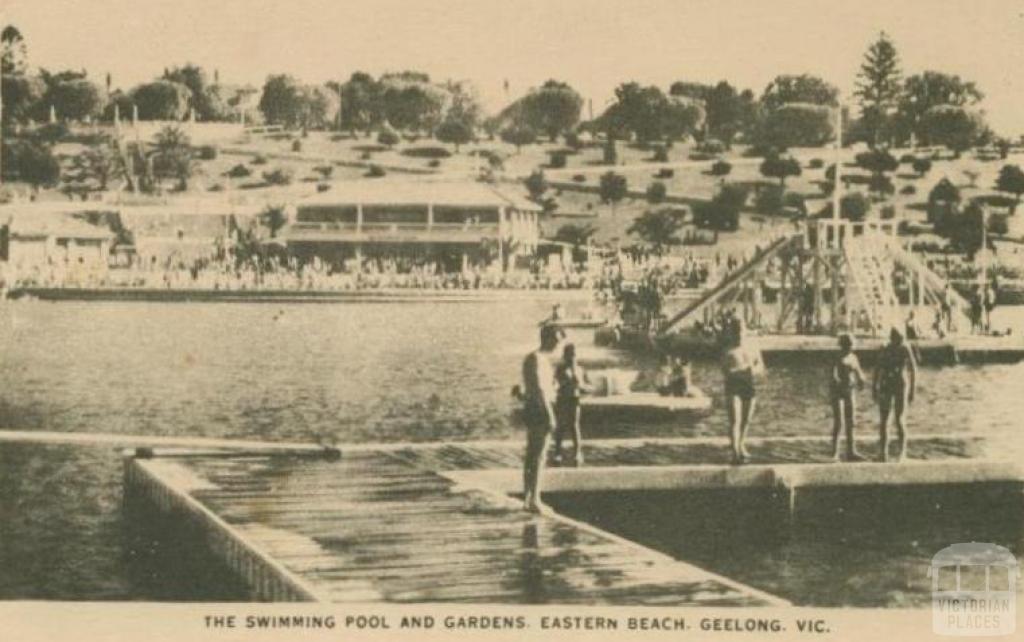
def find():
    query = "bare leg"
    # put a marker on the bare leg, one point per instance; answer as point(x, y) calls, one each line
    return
point(748, 412)
point(849, 411)
point(837, 425)
point(577, 436)
point(536, 448)
point(899, 417)
point(884, 404)
point(733, 406)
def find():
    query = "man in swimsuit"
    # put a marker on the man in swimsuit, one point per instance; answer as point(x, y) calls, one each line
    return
point(893, 387)
point(538, 412)
point(847, 376)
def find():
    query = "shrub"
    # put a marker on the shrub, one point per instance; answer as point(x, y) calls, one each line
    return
point(710, 146)
point(207, 152)
point(51, 133)
point(434, 162)
point(580, 178)
point(238, 171)
point(660, 155)
point(816, 163)
point(323, 187)
point(572, 139)
point(656, 192)
point(665, 173)
point(796, 202)
point(701, 156)
point(367, 155)
point(908, 190)
point(721, 168)
point(557, 159)
point(216, 187)
point(907, 159)
point(259, 159)
point(723, 211)
point(324, 170)
point(375, 171)
point(888, 212)
point(768, 200)
point(279, 176)
point(296, 145)
point(388, 138)
point(427, 152)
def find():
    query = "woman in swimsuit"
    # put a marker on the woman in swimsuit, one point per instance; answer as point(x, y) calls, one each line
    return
point(893, 387)
point(847, 377)
point(740, 363)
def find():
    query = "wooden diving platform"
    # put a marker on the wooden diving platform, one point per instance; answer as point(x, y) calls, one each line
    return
point(409, 523)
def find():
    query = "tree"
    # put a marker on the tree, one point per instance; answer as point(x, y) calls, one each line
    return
point(553, 108)
point(877, 161)
point(519, 135)
point(273, 218)
point(411, 103)
point(361, 107)
point(722, 212)
point(161, 100)
point(205, 99)
point(952, 126)
point(656, 192)
point(642, 111)
point(281, 101)
point(854, 206)
point(536, 185)
point(729, 112)
point(659, 228)
point(36, 165)
point(943, 200)
point(796, 125)
point(455, 129)
point(780, 168)
point(1011, 180)
point(98, 164)
point(13, 52)
point(879, 86)
point(804, 88)
point(576, 235)
point(922, 166)
point(77, 99)
point(613, 188)
point(21, 96)
point(929, 89)
point(173, 155)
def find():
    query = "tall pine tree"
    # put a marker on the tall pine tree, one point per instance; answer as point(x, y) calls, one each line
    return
point(879, 85)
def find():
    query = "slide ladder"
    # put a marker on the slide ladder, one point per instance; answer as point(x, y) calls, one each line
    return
point(871, 271)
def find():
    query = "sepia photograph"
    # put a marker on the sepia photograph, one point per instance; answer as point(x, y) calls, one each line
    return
point(511, 318)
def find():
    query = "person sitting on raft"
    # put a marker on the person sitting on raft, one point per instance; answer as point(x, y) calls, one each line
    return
point(847, 377)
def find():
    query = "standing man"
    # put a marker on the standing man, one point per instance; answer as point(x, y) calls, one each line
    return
point(539, 411)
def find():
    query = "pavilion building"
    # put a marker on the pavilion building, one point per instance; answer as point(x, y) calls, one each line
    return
point(454, 224)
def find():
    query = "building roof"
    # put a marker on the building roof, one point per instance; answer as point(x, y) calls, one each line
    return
point(39, 225)
point(407, 192)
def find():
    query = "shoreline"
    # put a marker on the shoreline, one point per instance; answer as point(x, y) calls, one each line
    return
point(389, 295)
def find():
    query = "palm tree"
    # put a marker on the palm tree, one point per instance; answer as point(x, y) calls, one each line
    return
point(173, 153)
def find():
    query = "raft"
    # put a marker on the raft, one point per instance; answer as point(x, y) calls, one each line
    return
point(644, 405)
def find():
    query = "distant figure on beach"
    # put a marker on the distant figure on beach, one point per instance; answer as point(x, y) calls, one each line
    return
point(893, 387)
point(571, 380)
point(741, 362)
point(538, 412)
point(976, 311)
point(847, 378)
point(989, 302)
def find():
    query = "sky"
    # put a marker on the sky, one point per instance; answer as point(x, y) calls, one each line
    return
point(592, 44)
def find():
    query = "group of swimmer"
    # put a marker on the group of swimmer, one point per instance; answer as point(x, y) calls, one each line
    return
point(552, 388)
